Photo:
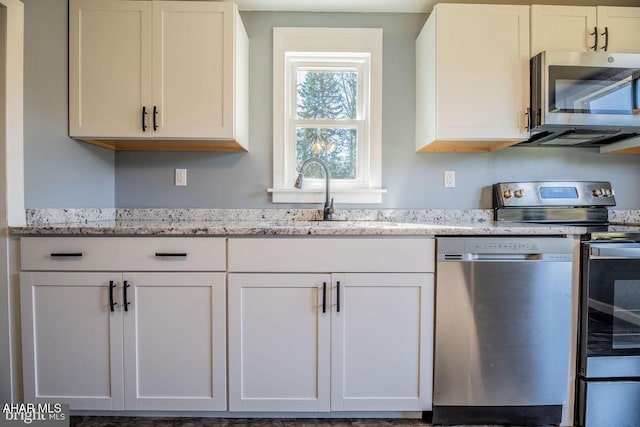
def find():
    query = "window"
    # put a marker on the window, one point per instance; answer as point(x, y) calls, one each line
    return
point(327, 104)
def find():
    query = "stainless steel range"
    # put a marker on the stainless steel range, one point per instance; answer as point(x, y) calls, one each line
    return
point(609, 340)
point(608, 366)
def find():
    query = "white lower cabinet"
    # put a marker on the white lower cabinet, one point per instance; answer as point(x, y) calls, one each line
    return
point(122, 341)
point(279, 343)
point(381, 342)
point(353, 341)
point(174, 342)
point(72, 345)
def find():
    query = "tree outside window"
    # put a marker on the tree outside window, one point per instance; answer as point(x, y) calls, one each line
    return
point(327, 97)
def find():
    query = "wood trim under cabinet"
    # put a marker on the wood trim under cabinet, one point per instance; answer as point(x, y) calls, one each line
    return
point(466, 146)
point(166, 145)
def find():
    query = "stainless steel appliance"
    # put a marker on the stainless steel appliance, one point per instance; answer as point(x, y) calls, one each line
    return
point(609, 341)
point(575, 202)
point(503, 317)
point(608, 366)
point(584, 98)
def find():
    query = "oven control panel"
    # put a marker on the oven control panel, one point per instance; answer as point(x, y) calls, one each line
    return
point(553, 193)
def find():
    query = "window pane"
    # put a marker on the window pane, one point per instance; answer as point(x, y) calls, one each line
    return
point(338, 147)
point(327, 94)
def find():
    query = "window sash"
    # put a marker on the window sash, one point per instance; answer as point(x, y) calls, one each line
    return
point(358, 62)
point(362, 171)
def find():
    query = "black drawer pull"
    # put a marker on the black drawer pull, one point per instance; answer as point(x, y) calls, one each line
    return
point(66, 254)
point(155, 117)
point(111, 303)
point(324, 297)
point(144, 119)
point(606, 39)
point(124, 292)
point(171, 254)
point(338, 295)
point(595, 39)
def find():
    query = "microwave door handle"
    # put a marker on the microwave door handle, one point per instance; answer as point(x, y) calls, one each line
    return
point(635, 93)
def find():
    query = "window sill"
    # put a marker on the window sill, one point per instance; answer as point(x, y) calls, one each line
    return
point(317, 195)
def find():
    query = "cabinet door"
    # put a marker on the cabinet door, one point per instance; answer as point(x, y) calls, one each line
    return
point(72, 341)
point(193, 69)
point(279, 343)
point(623, 25)
point(563, 28)
point(109, 67)
point(482, 58)
point(175, 341)
point(382, 342)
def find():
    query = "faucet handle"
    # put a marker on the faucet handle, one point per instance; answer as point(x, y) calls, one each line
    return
point(328, 210)
point(330, 207)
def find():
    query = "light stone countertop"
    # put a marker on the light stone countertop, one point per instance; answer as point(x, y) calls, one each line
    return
point(274, 222)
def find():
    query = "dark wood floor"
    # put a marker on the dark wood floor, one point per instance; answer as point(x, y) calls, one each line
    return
point(85, 421)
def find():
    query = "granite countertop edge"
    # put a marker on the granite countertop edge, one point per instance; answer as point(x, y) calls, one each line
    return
point(299, 229)
point(276, 222)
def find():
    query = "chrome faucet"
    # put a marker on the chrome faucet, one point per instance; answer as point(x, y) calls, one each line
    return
point(328, 204)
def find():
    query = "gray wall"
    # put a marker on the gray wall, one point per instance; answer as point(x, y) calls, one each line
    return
point(240, 180)
point(59, 172)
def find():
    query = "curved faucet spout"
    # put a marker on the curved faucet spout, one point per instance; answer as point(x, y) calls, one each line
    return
point(328, 204)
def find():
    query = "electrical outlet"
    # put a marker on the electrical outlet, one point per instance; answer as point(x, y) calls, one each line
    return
point(181, 177)
point(449, 179)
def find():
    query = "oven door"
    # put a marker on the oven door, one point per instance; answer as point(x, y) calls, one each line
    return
point(608, 403)
point(610, 311)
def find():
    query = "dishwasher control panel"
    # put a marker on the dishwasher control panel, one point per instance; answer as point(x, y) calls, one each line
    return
point(505, 245)
point(513, 248)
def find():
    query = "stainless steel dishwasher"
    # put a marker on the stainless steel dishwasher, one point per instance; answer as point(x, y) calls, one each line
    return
point(503, 330)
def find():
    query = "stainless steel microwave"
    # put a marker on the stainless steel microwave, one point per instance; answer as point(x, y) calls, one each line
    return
point(584, 98)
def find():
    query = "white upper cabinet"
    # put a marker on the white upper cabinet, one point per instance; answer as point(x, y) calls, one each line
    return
point(565, 28)
point(472, 82)
point(158, 75)
point(582, 29)
point(622, 26)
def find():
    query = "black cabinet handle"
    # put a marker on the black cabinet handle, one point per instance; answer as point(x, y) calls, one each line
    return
point(635, 93)
point(66, 254)
point(324, 297)
point(595, 39)
point(606, 39)
point(155, 116)
point(144, 118)
point(111, 303)
point(171, 254)
point(124, 294)
point(338, 295)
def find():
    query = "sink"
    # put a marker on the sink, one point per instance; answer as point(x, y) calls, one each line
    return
point(312, 222)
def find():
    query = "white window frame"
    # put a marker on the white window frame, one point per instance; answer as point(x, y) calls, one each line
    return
point(359, 47)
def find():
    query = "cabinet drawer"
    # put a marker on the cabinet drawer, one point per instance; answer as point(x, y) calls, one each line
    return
point(373, 255)
point(123, 253)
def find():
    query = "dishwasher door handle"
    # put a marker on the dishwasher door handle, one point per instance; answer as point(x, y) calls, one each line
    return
point(506, 257)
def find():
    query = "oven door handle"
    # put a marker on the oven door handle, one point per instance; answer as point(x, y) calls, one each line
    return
point(615, 252)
